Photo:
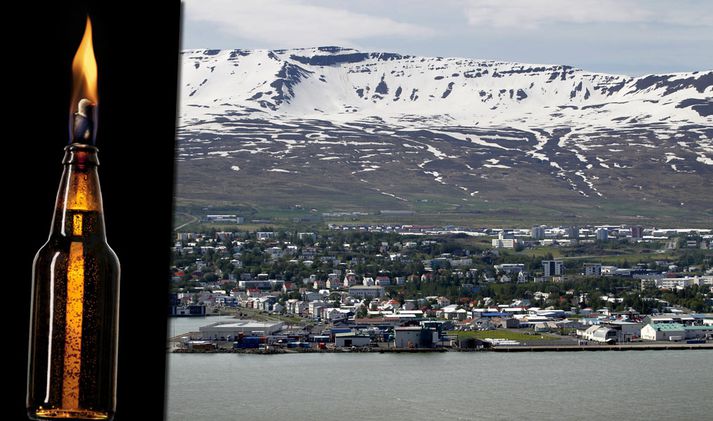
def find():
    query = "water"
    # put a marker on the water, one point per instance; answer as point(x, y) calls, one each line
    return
point(633, 385)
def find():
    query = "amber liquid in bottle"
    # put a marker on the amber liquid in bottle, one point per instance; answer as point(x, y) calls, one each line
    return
point(75, 301)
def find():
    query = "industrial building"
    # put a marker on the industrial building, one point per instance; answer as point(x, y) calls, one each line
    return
point(240, 327)
point(349, 339)
point(663, 332)
point(415, 337)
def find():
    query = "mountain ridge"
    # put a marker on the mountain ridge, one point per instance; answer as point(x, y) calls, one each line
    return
point(470, 129)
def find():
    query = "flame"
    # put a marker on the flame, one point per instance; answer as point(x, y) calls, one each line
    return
point(84, 70)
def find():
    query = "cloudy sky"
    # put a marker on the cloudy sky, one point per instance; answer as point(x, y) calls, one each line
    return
point(631, 37)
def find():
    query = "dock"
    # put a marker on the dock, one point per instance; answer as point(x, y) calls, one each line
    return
point(621, 347)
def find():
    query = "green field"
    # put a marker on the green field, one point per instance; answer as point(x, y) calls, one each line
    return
point(518, 197)
point(501, 334)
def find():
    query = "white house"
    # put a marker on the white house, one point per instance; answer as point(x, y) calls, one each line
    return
point(315, 306)
point(598, 333)
point(350, 279)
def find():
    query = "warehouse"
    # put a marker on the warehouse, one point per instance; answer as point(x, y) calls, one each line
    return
point(349, 339)
point(415, 337)
point(235, 328)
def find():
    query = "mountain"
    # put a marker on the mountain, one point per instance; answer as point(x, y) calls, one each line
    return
point(336, 129)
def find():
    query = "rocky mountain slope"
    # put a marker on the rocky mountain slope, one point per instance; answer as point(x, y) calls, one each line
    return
point(338, 129)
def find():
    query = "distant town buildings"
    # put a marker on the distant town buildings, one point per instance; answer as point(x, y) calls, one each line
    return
point(553, 268)
point(538, 232)
point(602, 234)
point(363, 291)
point(356, 289)
point(592, 269)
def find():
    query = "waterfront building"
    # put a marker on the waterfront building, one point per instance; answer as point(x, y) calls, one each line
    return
point(349, 339)
point(414, 337)
point(663, 332)
point(240, 327)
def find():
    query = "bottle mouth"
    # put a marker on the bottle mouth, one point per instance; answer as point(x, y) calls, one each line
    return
point(81, 154)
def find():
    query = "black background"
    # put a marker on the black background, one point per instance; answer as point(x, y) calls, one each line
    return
point(136, 45)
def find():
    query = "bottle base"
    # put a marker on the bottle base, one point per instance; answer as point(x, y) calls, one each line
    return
point(69, 414)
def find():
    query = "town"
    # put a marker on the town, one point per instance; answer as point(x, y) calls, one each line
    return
point(406, 288)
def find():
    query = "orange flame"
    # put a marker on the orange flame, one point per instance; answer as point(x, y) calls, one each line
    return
point(84, 70)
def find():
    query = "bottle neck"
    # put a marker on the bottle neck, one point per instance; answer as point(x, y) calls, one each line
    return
point(79, 211)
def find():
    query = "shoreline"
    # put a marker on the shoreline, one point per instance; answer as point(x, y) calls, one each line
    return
point(524, 348)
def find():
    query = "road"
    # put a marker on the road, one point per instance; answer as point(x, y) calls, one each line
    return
point(192, 221)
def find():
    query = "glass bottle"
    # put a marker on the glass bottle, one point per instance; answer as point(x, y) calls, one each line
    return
point(75, 302)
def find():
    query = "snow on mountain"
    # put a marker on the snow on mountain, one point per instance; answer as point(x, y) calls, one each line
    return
point(347, 85)
point(455, 121)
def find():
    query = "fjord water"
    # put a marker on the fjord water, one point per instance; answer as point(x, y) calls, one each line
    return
point(631, 385)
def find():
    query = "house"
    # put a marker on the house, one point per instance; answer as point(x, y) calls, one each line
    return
point(411, 305)
point(350, 279)
point(274, 252)
point(314, 308)
point(311, 296)
point(226, 301)
point(265, 303)
point(663, 332)
point(333, 281)
point(334, 314)
point(308, 253)
point(294, 306)
point(382, 280)
point(443, 301)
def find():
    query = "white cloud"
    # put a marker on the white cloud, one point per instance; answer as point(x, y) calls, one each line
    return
point(531, 14)
point(285, 23)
